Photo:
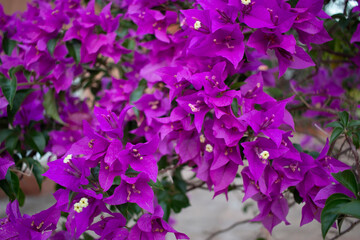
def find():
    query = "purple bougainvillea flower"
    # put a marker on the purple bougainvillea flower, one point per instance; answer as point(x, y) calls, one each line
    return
point(153, 105)
point(107, 22)
point(110, 123)
point(195, 104)
point(38, 226)
point(5, 162)
point(141, 157)
point(111, 227)
point(83, 210)
point(225, 42)
point(259, 152)
point(153, 227)
point(135, 190)
point(272, 212)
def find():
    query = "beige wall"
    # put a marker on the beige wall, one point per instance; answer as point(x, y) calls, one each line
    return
point(11, 6)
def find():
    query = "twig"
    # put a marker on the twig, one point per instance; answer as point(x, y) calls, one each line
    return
point(356, 154)
point(347, 230)
point(229, 228)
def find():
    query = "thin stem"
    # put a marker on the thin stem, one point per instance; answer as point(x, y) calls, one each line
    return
point(356, 154)
point(229, 228)
point(347, 230)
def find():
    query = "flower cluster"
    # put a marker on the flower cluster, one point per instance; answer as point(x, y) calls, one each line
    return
point(172, 84)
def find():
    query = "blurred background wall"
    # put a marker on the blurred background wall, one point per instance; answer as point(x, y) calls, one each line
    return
point(11, 6)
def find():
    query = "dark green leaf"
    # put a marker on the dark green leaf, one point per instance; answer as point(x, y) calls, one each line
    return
point(335, 124)
point(237, 85)
point(179, 201)
point(49, 104)
point(87, 236)
point(27, 75)
point(8, 45)
point(157, 184)
point(235, 107)
point(74, 49)
point(330, 213)
point(352, 209)
point(8, 88)
point(336, 133)
point(356, 139)
point(36, 140)
point(20, 197)
point(6, 187)
point(37, 170)
point(298, 147)
point(19, 98)
point(11, 142)
point(4, 134)
point(51, 44)
point(274, 92)
point(347, 179)
point(354, 123)
point(344, 118)
point(137, 93)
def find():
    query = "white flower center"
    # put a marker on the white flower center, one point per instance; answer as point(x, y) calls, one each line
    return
point(67, 158)
point(197, 25)
point(202, 138)
point(209, 148)
point(246, 2)
point(79, 206)
point(264, 155)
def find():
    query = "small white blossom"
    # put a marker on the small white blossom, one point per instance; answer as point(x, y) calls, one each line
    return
point(197, 25)
point(68, 158)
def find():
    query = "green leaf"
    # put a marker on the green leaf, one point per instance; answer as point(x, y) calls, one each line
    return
point(274, 92)
point(348, 180)
point(157, 184)
point(19, 98)
point(51, 44)
point(87, 236)
point(336, 133)
point(356, 139)
point(137, 93)
point(37, 170)
point(344, 118)
point(179, 201)
point(235, 107)
point(74, 49)
point(8, 88)
point(352, 209)
point(330, 213)
point(11, 142)
point(354, 123)
point(8, 45)
point(36, 140)
point(20, 197)
point(335, 124)
point(49, 104)
point(4, 134)
point(6, 187)
point(298, 147)
point(237, 85)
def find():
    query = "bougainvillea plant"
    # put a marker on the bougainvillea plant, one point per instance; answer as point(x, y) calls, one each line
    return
point(123, 96)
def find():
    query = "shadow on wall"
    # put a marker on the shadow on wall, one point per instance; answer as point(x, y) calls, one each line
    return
point(11, 6)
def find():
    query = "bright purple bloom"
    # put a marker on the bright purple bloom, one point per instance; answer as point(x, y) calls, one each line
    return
point(153, 227)
point(135, 190)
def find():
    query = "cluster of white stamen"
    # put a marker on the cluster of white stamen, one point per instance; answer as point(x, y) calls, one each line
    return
point(197, 25)
point(264, 155)
point(193, 108)
point(209, 148)
point(246, 2)
point(79, 206)
point(67, 158)
point(202, 138)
